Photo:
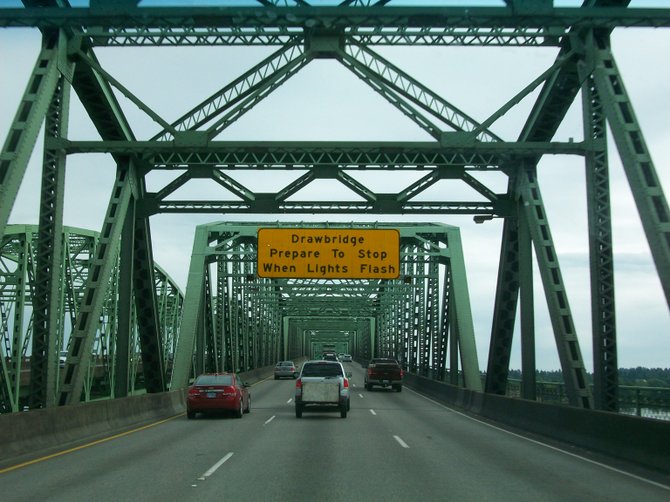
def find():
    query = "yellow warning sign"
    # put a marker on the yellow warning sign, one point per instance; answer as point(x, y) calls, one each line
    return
point(328, 253)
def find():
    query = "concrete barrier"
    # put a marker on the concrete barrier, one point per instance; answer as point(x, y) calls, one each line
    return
point(640, 440)
point(26, 433)
point(38, 432)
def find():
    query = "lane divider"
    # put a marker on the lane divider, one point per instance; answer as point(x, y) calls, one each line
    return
point(103, 440)
point(269, 420)
point(540, 443)
point(213, 469)
point(400, 442)
point(372, 411)
point(77, 448)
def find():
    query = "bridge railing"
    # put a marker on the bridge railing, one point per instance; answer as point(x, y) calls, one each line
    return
point(649, 402)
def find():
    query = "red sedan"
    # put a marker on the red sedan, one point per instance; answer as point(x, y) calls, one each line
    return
point(218, 392)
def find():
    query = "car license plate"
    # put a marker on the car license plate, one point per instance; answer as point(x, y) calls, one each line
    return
point(211, 394)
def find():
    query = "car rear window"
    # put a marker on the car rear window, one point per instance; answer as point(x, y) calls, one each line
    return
point(286, 363)
point(383, 361)
point(214, 380)
point(321, 370)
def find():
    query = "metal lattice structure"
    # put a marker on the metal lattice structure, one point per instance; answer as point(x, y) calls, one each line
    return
point(235, 320)
point(114, 365)
point(345, 32)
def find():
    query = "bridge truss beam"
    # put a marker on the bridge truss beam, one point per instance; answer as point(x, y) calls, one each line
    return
point(19, 259)
point(345, 33)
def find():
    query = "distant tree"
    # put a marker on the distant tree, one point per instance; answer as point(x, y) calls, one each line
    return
point(635, 377)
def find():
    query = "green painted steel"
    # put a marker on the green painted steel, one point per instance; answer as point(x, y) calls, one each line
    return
point(601, 247)
point(232, 319)
point(23, 132)
point(19, 257)
point(273, 319)
point(264, 18)
point(47, 274)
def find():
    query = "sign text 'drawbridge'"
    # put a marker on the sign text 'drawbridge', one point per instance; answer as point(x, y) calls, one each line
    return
point(328, 253)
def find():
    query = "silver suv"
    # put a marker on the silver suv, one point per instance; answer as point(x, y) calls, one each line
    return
point(322, 385)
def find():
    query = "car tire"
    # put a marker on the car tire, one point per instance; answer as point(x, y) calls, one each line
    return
point(399, 388)
point(190, 414)
point(298, 411)
point(343, 411)
point(276, 377)
point(240, 411)
point(248, 408)
point(368, 386)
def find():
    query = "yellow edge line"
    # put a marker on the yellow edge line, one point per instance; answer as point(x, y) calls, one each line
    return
point(71, 450)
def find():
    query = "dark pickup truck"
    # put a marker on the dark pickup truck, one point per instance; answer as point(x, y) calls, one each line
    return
point(384, 372)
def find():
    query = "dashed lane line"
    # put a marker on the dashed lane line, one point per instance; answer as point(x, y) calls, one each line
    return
point(213, 469)
point(400, 442)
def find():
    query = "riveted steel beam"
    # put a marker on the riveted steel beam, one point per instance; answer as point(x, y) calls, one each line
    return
point(638, 165)
point(90, 309)
point(25, 127)
point(328, 16)
point(48, 275)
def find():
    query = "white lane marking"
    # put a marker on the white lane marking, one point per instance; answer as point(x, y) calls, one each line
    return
point(400, 442)
point(213, 469)
point(361, 395)
point(372, 411)
point(269, 420)
point(289, 401)
point(574, 455)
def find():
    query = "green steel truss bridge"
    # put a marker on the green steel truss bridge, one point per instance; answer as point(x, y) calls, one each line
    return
point(115, 306)
point(114, 366)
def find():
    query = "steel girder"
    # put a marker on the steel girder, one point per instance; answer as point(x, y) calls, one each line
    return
point(90, 308)
point(46, 314)
point(23, 132)
point(363, 24)
point(19, 263)
point(247, 330)
point(602, 260)
point(556, 96)
point(135, 21)
point(97, 98)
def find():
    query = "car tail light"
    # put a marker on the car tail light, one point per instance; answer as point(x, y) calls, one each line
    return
point(346, 383)
point(369, 371)
point(193, 391)
point(298, 383)
point(402, 373)
point(229, 391)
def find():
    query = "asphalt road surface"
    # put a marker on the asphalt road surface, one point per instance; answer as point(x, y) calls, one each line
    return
point(392, 446)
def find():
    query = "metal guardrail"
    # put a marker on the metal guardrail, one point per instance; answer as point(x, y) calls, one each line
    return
point(648, 402)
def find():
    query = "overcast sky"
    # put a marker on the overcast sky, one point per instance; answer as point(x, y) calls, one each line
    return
point(326, 102)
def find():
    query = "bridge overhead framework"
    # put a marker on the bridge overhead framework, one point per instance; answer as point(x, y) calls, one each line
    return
point(194, 148)
point(247, 321)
